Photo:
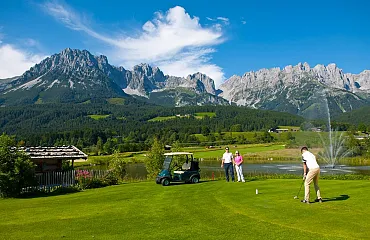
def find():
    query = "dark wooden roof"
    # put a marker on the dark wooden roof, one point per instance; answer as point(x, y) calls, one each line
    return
point(63, 152)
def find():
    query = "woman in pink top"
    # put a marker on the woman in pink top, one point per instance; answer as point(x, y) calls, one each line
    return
point(239, 166)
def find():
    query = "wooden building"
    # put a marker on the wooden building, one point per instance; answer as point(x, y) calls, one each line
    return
point(48, 159)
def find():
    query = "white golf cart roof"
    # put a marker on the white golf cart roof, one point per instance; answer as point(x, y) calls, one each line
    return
point(177, 153)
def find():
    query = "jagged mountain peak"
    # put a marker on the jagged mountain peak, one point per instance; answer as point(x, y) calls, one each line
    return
point(200, 77)
point(148, 70)
point(205, 84)
point(74, 70)
point(198, 74)
point(329, 67)
point(142, 67)
point(73, 73)
point(102, 59)
point(283, 89)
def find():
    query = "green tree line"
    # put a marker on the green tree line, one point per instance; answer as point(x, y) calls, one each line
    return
point(127, 126)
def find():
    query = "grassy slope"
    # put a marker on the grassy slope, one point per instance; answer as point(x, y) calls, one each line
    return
point(243, 149)
point(199, 115)
point(247, 150)
point(161, 118)
point(301, 138)
point(209, 210)
point(116, 101)
point(98, 117)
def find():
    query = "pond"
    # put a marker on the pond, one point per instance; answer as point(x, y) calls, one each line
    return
point(138, 170)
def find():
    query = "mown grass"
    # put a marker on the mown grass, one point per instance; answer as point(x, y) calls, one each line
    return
point(250, 150)
point(201, 115)
point(252, 153)
point(156, 119)
point(116, 101)
point(217, 152)
point(208, 210)
point(301, 138)
point(247, 135)
point(290, 127)
point(98, 117)
point(132, 157)
point(86, 102)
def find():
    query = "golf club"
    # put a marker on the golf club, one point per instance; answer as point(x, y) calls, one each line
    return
point(296, 197)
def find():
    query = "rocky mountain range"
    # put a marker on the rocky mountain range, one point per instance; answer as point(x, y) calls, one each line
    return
point(78, 76)
point(299, 89)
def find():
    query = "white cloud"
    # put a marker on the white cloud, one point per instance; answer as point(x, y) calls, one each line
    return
point(173, 41)
point(15, 61)
point(31, 42)
point(149, 27)
point(196, 60)
point(72, 20)
point(244, 22)
point(224, 20)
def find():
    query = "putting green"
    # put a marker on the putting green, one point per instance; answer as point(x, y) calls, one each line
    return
point(208, 210)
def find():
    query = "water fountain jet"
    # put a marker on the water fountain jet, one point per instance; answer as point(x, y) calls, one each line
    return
point(334, 149)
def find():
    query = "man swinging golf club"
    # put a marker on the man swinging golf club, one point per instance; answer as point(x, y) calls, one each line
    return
point(311, 172)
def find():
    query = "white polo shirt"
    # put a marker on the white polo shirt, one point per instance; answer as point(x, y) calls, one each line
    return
point(310, 160)
point(227, 157)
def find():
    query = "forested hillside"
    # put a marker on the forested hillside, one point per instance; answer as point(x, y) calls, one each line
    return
point(128, 124)
point(357, 117)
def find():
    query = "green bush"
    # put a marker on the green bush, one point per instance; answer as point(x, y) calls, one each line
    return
point(16, 169)
point(154, 159)
point(96, 183)
point(64, 190)
point(110, 178)
point(117, 166)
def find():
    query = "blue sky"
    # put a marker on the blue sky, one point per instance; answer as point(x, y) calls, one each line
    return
point(219, 38)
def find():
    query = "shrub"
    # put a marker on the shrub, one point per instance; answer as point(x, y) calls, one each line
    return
point(64, 190)
point(96, 183)
point(110, 178)
point(155, 158)
point(117, 166)
point(16, 169)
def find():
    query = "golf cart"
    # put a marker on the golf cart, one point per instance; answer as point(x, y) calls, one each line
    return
point(188, 172)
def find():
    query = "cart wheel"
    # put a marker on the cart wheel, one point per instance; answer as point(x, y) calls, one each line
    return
point(194, 179)
point(165, 182)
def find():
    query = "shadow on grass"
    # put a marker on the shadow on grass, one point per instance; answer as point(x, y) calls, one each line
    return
point(254, 179)
point(340, 198)
point(58, 192)
point(184, 183)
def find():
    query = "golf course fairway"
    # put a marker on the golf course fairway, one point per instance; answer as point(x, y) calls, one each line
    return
point(207, 210)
